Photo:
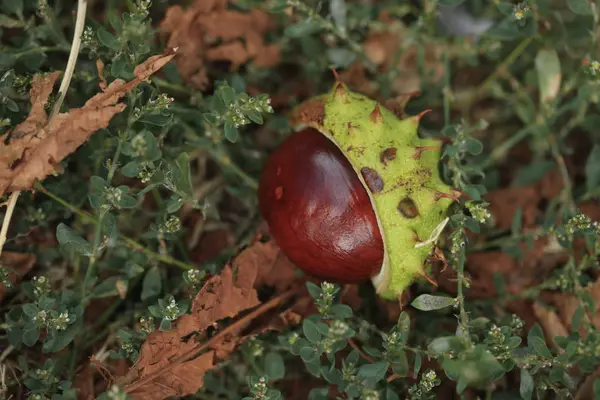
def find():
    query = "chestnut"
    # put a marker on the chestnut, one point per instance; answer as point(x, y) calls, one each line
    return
point(355, 194)
point(318, 211)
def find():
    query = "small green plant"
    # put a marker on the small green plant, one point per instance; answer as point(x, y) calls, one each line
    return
point(134, 261)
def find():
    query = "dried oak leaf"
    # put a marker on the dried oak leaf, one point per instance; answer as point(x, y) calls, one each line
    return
point(393, 49)
point(532, 268)
point(566, 305)
point(36, 146)
point(173, 363)
point(222, 296)
point(273, 267)
point(100, 67)
point(505, 202)
point(551, 322)
point(161, 353)
point(19, 264)
point(208, 31)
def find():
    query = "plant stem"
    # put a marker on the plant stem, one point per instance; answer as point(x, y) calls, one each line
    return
point(221, 158)
point(125, 241)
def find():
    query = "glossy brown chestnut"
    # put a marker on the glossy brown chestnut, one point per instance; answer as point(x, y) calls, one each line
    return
point(318, 211)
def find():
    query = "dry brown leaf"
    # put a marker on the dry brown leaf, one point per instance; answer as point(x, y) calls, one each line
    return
point(504, 203)
point(567, 303)
point(176, 378)
point(518, 274)
point(100, 66)
point(551, 323)
point(273, 267)
point(36, 146)
point(172, 363)
point(223, 296)
point(393, 49)
point(19, 265)
point(207, 31)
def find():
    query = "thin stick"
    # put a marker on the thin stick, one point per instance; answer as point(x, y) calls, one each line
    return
point(66, 81)
point(10, 208)
point(360, 351)
point(75, 47)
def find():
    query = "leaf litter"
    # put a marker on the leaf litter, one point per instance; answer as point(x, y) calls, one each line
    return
point(207, 31)
point(36, 146)
point(173, 362)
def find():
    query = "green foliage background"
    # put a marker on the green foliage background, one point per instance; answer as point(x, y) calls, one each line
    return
point(497, 92)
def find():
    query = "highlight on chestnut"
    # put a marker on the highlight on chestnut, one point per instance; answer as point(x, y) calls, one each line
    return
point(354, 194)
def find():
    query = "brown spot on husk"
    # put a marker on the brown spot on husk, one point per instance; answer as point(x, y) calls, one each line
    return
point(388, 154)
point(309, 113)
point(372, 178)
point(408, 208)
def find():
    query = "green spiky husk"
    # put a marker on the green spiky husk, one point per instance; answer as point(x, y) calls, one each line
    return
point(364, 130)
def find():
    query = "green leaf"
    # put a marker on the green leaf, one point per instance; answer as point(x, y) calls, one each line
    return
point(340, 57)
point(341, 311)
point(29, 309)
point(373, 372)
point(14, 7)
point(535, 331)
point(165, 324)
point(400, 364)
point(107, 288)
point(301, 29)
point(59, 340)
point(576, 320)
point(311, 331)
point(71, 239)
point(182, 178)
point(11, 105)
point(31, 336)
point(597, 388)
point(391, 395)
point(255, 116)
point(534, 172)
point(517, 221)
point(108, 39)
point(308, 354)
point(157, 119)
point(540, 347)
point(444, 344)
point(15, 336)
point(592, 169)
point(580, 7)
point(504, 30)
point(417, 364)
point(338, 11)
point(227, 94)
point(131, 169)
point(231, 132)
point(152, 284)
point(403, 324)
point(450, 3)
point(547, 65)
point(174, 203)
point(7, 22)
point(427, 302)
point(127, 201)
point(319, 394)
point(314, 290)
point(274, 365)
point(474, 146)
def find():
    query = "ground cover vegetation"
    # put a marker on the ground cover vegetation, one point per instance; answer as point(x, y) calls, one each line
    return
point(134, 262)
